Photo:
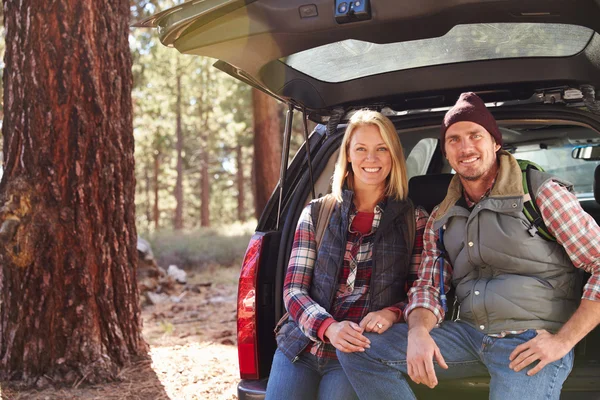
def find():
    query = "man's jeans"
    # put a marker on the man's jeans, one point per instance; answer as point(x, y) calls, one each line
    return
point(307, 378)
point(375, 373)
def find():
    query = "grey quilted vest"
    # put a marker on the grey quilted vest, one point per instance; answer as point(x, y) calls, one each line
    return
point(505, 278)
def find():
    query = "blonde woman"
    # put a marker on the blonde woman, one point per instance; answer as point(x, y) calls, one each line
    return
point(367, 258)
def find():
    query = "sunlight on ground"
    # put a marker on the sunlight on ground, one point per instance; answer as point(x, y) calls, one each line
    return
point(192, 348)
point(197, 370)
point(193, 342)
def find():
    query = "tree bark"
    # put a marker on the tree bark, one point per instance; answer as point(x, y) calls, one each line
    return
point(178, 221)
point(205, 150)
point(69, 308)
point(267, 148)
point(148, 198)
point(156, 188)
point(205, 189)
point(240, 182)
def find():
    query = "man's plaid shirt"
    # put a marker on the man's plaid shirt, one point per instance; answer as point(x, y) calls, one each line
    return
point(572, 227)
point(350, 306)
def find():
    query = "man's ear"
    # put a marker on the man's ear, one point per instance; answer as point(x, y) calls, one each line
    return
point(497, 147)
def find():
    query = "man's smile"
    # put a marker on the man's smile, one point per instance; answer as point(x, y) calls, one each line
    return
point(469, 160)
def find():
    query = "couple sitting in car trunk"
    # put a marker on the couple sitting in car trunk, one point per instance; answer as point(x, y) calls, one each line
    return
point(353, 329)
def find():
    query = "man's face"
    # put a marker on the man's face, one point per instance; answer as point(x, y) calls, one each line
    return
point(470, 150)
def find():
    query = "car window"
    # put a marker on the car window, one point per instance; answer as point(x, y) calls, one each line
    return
point(351, 59)
point(558, 161)
point(420, 156)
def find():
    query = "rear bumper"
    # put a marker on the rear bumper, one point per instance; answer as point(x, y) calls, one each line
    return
point(251, 389)
point(583, 384)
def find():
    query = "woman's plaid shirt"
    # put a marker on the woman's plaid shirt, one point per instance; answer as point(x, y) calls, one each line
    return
point(347, 306)
point(572, 227)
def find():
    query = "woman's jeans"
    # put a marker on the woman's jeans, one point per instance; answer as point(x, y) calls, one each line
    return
point(381, 373)
point(307, 378)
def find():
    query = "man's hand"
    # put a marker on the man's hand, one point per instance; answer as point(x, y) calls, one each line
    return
point(378, 321)
point(545, 347)
point(347, 337)
point(420, 352)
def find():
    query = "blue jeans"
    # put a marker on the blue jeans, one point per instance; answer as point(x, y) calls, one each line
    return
point(307, 378)
point(379, 372)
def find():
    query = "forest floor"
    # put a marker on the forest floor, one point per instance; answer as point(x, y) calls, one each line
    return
point(192, 339)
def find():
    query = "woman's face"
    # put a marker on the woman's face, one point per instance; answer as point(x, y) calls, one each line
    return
point(370, 158)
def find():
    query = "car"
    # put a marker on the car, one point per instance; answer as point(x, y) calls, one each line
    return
point(536, 64)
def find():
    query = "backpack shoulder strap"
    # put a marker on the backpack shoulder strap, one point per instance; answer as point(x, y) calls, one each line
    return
point(530, 208)
point(321, 215)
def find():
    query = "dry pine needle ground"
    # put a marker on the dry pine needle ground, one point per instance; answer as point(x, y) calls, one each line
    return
point(193, 349)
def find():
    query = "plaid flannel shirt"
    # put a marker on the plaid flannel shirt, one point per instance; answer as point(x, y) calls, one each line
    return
point(572, 227)
point(347, 306)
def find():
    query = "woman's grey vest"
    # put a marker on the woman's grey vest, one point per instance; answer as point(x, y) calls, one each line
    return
point(391, 259)
point(506, 278)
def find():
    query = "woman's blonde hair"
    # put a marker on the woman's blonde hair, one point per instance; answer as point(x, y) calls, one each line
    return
point(396, 182)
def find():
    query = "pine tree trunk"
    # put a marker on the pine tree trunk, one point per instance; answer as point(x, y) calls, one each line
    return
point(267, 148)
point(178, 221)
point(156, 188)
point(240, 183)
point(205, 189)
point(147, 197)
point(70, 308)
point(204, 109)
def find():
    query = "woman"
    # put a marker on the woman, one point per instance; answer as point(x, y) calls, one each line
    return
point(356, 281)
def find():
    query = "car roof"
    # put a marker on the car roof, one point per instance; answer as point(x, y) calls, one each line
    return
point(270, 44)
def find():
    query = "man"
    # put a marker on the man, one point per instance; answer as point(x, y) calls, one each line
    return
point(520, 311)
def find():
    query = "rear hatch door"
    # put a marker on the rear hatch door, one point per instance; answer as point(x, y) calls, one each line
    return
point(407, 55)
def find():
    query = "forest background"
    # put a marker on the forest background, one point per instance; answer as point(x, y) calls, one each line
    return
point(207, 151)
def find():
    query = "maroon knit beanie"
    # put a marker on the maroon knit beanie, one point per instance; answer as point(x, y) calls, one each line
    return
point(470, 107)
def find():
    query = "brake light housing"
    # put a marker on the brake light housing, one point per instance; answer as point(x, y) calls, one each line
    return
point(246, 309)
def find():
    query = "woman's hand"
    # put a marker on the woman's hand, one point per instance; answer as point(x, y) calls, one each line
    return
point(347, 337)
point(378, 321)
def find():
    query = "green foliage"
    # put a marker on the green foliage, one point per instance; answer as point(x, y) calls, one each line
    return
point(202, 247)
point(216, 117)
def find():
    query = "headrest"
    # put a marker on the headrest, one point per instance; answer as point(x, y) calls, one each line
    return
point(428, 191)
point(596, 184)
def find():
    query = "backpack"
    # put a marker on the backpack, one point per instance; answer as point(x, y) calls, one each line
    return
point(530, 208)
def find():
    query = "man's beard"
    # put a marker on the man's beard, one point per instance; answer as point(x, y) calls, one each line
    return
point(470, 177)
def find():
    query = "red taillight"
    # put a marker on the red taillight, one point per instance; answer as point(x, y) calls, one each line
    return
point(246, 310)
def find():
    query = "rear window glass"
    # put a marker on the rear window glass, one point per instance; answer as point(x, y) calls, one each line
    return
point(351, 59)
point(558, 161)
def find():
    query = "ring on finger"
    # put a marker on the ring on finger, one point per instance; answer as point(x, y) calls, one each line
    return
point(379, 325)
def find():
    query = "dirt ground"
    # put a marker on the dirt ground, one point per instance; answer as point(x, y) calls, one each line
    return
point(192, 338)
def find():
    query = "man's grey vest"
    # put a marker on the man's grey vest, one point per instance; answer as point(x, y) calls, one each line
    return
point(505, 278)
point(391, 260)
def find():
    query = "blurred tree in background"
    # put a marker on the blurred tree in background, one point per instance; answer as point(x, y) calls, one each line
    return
point(196, 141)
